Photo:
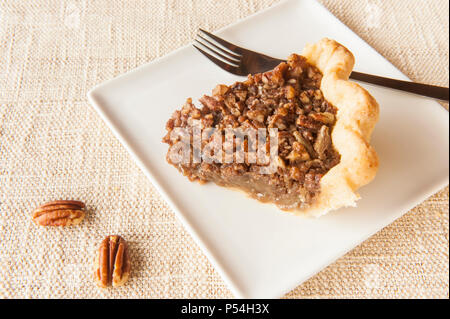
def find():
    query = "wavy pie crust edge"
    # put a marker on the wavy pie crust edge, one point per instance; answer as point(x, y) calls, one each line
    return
point(356, 117)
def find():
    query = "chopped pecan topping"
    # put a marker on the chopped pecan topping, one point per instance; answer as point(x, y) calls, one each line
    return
point(323, 142)
point(220, 89)
point(325, 117)
point(287, 98)
point(308, 122)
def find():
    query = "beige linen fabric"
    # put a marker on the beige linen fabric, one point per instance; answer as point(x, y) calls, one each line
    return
point(53, 145)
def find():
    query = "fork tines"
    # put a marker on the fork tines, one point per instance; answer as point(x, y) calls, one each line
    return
point(218, 51)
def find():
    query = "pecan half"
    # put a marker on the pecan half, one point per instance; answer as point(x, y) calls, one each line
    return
point(112, 262)
point(59, 213)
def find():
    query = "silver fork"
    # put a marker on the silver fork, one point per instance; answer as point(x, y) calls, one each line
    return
point(241, 61)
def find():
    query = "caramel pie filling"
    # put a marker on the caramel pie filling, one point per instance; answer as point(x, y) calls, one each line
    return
point(287, 99)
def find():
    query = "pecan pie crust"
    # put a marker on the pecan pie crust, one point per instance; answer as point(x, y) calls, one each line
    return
point(324, 124)
point(356, 117)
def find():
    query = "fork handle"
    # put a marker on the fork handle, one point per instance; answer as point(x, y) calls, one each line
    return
point(436, 92)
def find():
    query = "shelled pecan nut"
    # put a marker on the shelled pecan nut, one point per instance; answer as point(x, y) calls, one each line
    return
point(59, 213)
point(112, 263)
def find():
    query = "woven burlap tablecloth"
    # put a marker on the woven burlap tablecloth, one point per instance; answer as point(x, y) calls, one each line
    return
point(53, 145)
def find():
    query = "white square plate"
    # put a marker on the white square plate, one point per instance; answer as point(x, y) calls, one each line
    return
point(260, 251)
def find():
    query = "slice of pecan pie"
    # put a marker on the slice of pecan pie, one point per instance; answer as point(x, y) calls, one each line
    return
point(297, 136)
